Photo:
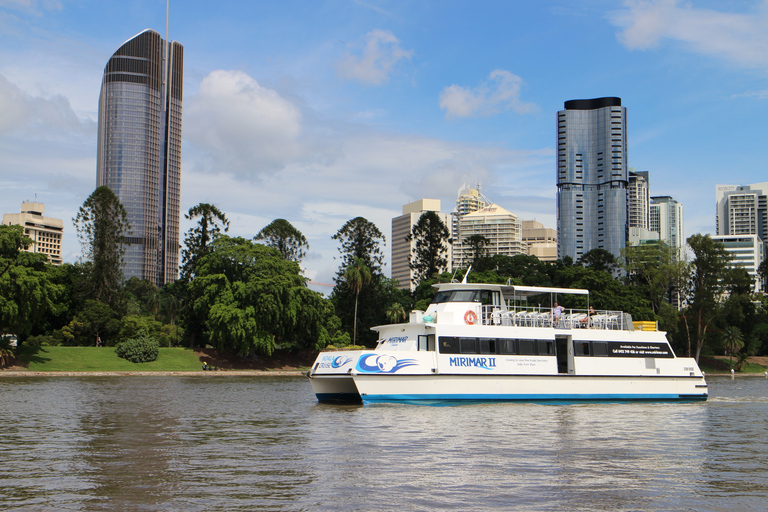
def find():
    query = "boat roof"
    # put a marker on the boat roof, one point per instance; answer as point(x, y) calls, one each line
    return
point(512, 290)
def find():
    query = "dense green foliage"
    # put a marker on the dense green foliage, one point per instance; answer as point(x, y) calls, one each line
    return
point(249, 298)
point(281, 235)
point(102, 224)
point(431, 237)
point(141, 349)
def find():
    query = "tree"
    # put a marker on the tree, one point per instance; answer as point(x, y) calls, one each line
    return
point(102, 224)
point(360, 238)
point(478, 245)
point(431, 238)
point(281, 235)
point(733, 341)
point(357, 275)
point(27, 291)
point(705, 287)
point(249, 299)
point(211, 222)
point(655, 268)
point(599, 259)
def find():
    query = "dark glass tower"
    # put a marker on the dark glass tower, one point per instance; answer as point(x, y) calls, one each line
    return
point(592, 177)
point(139, 153)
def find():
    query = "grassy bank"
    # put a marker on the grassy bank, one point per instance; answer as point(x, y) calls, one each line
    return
point(103, 359)
point(721, 364)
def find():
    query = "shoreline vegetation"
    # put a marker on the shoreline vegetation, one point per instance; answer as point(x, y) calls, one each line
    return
point(51, 361)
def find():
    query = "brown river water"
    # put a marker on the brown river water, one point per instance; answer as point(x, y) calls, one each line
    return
point(264, 443)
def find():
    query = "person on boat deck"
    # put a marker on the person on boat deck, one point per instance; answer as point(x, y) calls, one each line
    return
point(557, 312)
point(591, 313)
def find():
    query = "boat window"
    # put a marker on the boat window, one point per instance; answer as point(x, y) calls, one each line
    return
point(581, 348)
point(464, 296)
point(546, 348)
point(468, 345)
point(487, 345)
point(449, 345)
point(599, 348)
point(431, 342)
point(456, 296)
point(422, 342)
point(507, 347)
point(526, 347)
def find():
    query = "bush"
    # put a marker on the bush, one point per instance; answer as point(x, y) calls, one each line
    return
point(141, 349)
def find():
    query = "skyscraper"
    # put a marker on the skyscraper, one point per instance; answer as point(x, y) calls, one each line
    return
point(139, 151)
point(592, 177)
point(742, 210)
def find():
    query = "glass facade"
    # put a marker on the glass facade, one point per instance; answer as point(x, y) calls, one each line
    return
point(139, 150)
point(592, 177)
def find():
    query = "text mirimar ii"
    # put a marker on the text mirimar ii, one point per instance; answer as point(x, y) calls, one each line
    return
point(491, 342)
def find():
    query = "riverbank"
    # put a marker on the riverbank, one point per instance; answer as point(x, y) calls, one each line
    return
point(200, 373)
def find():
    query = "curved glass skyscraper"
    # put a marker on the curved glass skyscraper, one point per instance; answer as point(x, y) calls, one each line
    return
point(139, 152)
point(592, 177)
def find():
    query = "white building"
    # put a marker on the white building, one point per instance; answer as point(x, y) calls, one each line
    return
point(503, 229)
point(638, 199)
point(747, 252)
point(667, 220)
point(402, 248)
point(742, 209)
point(45, 232)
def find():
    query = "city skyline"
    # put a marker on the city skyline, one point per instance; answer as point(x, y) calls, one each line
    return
point(321, 112)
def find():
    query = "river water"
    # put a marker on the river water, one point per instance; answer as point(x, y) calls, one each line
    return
point(264, 443)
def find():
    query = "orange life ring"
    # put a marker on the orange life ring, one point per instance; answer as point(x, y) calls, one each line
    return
point(470, 317)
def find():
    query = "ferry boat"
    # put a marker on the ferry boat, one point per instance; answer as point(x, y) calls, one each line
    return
point(489, 342)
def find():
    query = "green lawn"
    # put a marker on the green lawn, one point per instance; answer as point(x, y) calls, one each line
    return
point(95, 359)
point(720, 364)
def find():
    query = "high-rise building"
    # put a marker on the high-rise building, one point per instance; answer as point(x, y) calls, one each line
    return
point(592, 177)
point(402, 248)
point(638, 199)
point(469, 200)
point(742, 210)
point(139, 150)
point(667, 221)
point(45, 232)
point(501, 228)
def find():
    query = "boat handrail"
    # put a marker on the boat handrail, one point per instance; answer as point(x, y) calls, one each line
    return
point(572, 318)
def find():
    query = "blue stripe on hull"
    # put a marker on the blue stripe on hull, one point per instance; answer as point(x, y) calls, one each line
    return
point(565, 398)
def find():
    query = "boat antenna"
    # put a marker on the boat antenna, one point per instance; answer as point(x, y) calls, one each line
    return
point(453, 277)
point(464, 281)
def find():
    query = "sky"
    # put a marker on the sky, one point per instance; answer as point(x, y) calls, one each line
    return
point(321, 111)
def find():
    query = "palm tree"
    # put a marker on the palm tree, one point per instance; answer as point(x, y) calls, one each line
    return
point(396, 313)
point(732, 341)
point(357, 275)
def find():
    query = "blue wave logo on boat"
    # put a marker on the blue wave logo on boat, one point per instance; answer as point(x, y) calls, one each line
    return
point(372, 363)
point(340, 361)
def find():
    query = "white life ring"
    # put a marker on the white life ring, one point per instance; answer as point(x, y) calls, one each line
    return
point(470, 317)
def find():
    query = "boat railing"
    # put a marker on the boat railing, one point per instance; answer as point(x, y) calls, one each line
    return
point(546, 317)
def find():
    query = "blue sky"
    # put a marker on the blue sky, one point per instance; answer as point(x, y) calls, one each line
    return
point(321, 111)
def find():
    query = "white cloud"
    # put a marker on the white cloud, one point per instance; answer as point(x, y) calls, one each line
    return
point(35, 115)
point(246, 129)
point(32, 6)
point(738, 38)
point(500, 92)
point(382, 51)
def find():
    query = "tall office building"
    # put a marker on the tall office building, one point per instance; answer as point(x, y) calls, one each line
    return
point(747, 252)
point(402, 248)
point(139, 151)
point(667, 221)
point(45, 232)
point(592, 177)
